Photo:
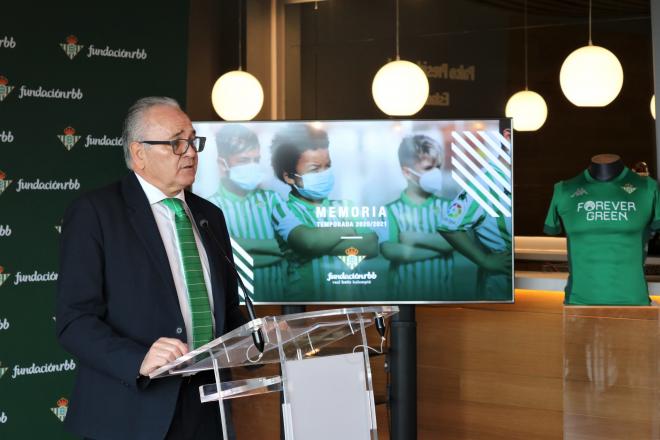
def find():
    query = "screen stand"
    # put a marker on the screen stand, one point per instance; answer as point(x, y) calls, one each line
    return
point(403, 364)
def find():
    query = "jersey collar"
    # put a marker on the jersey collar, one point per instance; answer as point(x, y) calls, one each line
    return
point(305, 203)
point(223, 192)
point(618, 178)
point(405, 198)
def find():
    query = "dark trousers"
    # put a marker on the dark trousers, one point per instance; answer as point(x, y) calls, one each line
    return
point(194, 420)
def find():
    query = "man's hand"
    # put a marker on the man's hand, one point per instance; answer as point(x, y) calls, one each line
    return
point(498, 262)
point(162, 352)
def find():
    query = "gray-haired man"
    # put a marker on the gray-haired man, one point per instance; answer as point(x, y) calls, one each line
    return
point(141, 283)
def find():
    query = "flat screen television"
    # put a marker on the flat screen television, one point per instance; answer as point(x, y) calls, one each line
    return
point(372, 211)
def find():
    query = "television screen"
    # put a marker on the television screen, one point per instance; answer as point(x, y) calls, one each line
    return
point(382, 211)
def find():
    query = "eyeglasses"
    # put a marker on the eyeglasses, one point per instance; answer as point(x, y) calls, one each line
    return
point(180, 146)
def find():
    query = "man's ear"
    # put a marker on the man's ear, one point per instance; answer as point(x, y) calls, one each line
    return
point(407, 174)
point(289, 180)
point(223, 167)
point(138, 155)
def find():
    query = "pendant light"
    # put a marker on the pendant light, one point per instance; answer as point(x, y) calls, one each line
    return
point(527, 108)
point(400, 88)
point(591, 76)
point(237, 95)
point(653, 106)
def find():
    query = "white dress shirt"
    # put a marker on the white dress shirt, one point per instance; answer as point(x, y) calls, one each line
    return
point(167, 228)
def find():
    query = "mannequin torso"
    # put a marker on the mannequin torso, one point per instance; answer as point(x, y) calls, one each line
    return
point(606, 212)
point(604, 167)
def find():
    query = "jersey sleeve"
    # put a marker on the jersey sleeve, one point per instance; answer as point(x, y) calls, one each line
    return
point(655, 222)
point(463, 214)
point(283, 219)
point(391, 231)
point(552, 224)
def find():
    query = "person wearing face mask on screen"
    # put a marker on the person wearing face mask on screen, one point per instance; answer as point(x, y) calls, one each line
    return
point(248, 208)
point(301, 159)
point(421, 261)
point(483, 239)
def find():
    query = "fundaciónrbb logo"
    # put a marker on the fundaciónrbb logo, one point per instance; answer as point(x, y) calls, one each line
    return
point(351, 259)
point(61, 408)
point(69, 138)
point(3, 276)
point(5, 88)
point(71, 46)
point(4, 182)
point(3, 370)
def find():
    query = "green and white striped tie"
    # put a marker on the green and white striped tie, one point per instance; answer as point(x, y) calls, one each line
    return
point(198, 298)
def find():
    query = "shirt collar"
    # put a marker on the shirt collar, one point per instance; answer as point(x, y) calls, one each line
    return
point(225, 193)
point(307, 204)
point(155, 195)
point(405, 198)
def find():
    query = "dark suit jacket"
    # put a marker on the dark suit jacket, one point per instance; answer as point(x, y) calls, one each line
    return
point(116, 297)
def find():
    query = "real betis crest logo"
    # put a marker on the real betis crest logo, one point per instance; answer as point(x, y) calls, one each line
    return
point(4, 182)
point(71, 47)
point(629, 188)
point(5, 88)
point(3, 276)
point(3, 370)
point(61, 409)
point(351, 259)
point(69, 138)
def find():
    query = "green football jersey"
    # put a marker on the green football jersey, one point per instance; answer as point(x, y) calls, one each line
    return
point(606, 225)
point(425, 279)
point(466, 213)
point(307, 278)
point(249, 217)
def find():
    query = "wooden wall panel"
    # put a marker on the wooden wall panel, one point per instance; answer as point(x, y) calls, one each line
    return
point(491, 371)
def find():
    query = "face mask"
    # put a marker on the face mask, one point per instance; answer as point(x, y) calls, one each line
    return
point(317, 186)
point(430, 181)
point(247, 176)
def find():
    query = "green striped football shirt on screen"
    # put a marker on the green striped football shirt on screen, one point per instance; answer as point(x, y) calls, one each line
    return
point(430, 277)
point(307, 277)
point(495, 233)
point(465, 214)
point(249, 217)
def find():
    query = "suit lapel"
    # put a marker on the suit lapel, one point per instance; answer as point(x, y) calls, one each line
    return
point(142, 219)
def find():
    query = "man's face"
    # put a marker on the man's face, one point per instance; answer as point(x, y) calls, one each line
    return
point(253, 155)
point(310, 161)
point(157, 163)
point(426, 162)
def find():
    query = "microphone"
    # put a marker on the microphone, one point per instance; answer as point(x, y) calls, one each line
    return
point(257, 336)
point(380, 325)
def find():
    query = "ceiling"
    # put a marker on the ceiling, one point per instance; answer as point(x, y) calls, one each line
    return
point(577, 8)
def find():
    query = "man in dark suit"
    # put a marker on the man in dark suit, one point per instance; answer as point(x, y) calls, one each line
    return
point(141, 283)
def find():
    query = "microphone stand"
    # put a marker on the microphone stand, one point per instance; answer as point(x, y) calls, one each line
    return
point(257, 335)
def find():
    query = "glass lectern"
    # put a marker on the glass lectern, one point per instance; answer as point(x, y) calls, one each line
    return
point(322, 383)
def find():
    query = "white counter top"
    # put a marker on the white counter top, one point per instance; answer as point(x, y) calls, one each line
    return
point(549, 249)
point(529, 280)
